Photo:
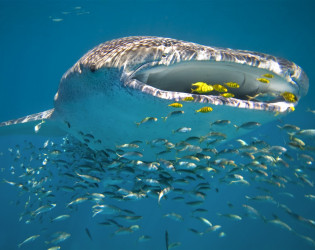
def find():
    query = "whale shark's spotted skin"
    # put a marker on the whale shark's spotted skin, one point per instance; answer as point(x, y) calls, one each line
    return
point(125, 51)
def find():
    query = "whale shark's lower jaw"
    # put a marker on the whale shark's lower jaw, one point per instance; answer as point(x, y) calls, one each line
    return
point(174, 82)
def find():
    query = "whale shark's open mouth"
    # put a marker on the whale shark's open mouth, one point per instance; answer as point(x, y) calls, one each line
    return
point(254, 85)
point(252, 82)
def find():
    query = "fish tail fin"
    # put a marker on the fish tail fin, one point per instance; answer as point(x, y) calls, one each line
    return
point(164, 118)
point(36, 124)
point(237, 127)
point(138, 124)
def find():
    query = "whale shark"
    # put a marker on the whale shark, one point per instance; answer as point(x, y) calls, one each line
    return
point(120, 91)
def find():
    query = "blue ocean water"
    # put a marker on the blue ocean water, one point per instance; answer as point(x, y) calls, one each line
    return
point(41, 40)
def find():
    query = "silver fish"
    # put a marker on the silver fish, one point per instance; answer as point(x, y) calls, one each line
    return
point(29, 239)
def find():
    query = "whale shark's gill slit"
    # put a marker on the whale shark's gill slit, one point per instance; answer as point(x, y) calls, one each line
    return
point(179, 77)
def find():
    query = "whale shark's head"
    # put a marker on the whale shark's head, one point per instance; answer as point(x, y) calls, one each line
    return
point(126, 80)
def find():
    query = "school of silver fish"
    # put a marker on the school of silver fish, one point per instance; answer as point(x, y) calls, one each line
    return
point(107, 178)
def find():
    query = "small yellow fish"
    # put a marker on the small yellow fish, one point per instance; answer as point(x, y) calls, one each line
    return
point(199, 84)
point(188, 99)
point(204, 110)
point(176, 105)
point(263, 80)
point(227, 95)
point(220, 88)
point(232, 85)
point(289, 97)
point(202, 88)
point(268, 75)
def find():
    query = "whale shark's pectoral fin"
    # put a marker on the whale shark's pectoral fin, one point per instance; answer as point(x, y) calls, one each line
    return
point(36, 124)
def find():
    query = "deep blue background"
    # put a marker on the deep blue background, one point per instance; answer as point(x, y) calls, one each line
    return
point(35, 52)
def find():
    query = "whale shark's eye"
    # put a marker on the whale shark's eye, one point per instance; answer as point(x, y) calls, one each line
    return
point(254, 84)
